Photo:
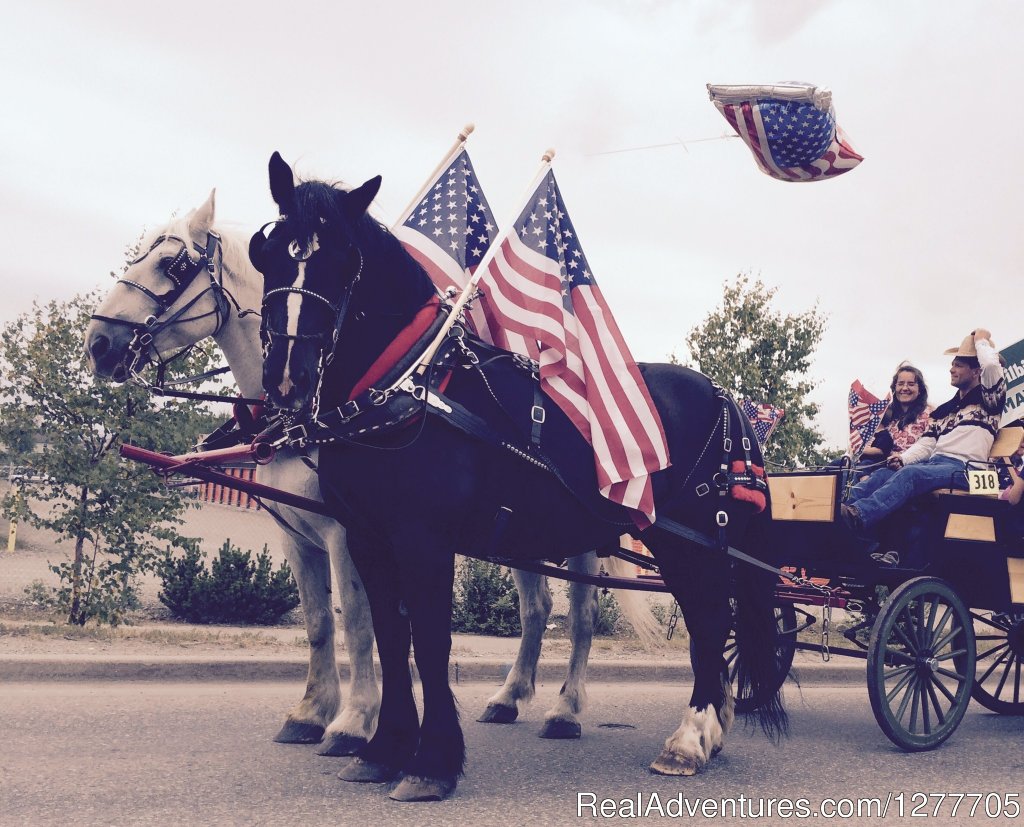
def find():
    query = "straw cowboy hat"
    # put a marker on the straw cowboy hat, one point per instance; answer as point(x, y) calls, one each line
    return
point(967, 347)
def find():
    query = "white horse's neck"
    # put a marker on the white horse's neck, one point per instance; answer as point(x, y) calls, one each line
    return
point(239, 338)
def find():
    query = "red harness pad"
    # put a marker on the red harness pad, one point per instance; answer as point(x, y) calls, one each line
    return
point(750, 495)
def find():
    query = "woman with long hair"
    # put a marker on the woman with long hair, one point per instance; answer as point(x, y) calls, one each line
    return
point(905, 419)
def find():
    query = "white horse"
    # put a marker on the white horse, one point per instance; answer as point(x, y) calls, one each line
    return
point(313, 544)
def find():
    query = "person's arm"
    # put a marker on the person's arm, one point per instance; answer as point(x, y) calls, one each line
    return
point(1016, 490)
point(880, 446)
point(920, 450)
point(993, 387)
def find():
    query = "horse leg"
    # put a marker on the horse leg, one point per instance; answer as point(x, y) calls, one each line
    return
point(306, 720)
point(433, 772)
point(534, 611)
point(394, 741)
point(560, 721)
point(699, 580)
point(354, 725)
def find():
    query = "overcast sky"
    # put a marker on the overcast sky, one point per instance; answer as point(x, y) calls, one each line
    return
point(114, 116)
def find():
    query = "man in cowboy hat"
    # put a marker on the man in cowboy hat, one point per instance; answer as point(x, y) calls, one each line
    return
point(961, 430)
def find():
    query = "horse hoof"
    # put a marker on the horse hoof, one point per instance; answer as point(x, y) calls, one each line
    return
point(415, 788)
point(367, 772)
point(499, 714)
point(297, 732)
point(561, 728)
point(340, 744)
point(668, 763)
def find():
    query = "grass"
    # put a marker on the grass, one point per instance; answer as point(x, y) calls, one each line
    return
point(161, 636)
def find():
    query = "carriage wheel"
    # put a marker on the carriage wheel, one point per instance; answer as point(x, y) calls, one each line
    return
point(785, 620)
point(997, 684)
point(921, 664)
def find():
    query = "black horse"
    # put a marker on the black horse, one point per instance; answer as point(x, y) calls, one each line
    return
point(414, 494)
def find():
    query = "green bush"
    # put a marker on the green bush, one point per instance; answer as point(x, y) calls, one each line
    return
point(608, 614)
point(235, 590)
point(486, 601)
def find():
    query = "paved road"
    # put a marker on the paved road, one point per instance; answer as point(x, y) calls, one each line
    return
point(201, 753)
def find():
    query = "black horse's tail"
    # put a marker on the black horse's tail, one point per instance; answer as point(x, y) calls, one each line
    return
point(758, 641)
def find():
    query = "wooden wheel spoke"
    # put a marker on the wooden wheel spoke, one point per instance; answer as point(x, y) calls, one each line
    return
point(902, 635)
point(944, 689)
point(907, 678)
point(952, 653)
point(933, 625)
point(918, 622)
point(930, 687)
point(926, 723)
point(990, 621)
point(915, 692)
point(995, 665)
point(949, 673)
point(899, 670)
point(945, 639)
point(993, 650)
point(906, 696)
point(1016, 682)
point(1002, 680)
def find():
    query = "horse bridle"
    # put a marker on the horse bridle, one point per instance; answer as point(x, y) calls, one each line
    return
point(339, 311)
point(182, 271)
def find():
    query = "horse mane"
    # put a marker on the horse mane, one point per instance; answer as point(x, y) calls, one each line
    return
point(316, 199)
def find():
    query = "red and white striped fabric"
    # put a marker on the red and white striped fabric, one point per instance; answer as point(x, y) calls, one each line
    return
point(542, 301)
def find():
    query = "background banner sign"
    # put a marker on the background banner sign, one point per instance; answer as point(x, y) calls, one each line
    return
point(1014, 372)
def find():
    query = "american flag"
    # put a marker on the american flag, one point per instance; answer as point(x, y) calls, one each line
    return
point(763, 417)
point(792, 140)
point(866, 411)
point(449, 230)
point(542, 292)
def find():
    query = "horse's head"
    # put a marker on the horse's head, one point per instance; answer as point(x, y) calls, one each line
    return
point(169, 298)
point(311, 262)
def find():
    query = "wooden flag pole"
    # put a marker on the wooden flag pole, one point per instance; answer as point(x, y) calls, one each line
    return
point(467, 130)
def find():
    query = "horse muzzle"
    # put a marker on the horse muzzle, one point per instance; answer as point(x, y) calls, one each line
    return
point(107, 349)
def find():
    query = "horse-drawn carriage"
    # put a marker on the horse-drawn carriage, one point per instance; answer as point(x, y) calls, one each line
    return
point(408, 510)
point(945, 625)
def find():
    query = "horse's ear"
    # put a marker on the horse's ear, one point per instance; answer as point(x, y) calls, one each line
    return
point(200, 222)
point(358, 201)
point(282, 183)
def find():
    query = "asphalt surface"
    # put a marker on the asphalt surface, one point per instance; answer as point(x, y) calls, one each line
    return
point(184, 753)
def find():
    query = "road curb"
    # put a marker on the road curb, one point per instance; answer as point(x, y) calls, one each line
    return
point(31, 668)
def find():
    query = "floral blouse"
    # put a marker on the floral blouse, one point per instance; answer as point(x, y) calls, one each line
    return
point(893, 438)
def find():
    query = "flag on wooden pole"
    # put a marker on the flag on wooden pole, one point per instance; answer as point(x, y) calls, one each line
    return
point(449, 228)
point(543, 301)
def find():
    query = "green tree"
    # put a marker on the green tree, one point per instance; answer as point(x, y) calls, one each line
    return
point(756, 352)
point(67, 427)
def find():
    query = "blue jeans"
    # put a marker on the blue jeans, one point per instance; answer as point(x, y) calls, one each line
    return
point(886, 490)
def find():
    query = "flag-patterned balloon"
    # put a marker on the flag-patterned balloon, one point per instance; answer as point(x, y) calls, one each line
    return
point(789, 127)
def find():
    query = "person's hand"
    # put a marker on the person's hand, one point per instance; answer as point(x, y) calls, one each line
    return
point(895, 462)
point(982, 333)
